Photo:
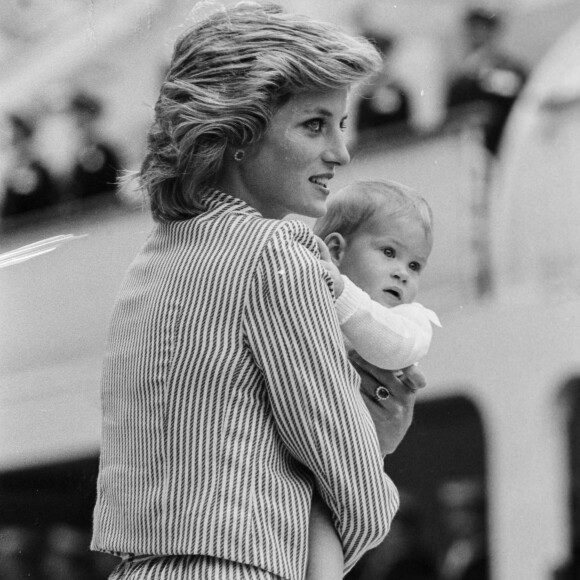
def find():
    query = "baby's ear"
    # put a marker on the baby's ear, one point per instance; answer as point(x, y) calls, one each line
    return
point(336, 246)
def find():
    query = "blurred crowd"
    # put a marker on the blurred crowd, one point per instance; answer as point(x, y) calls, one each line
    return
point(58, 553)
point(56, 157)
point(460, 551)
point(486, 82)
point(61, 551)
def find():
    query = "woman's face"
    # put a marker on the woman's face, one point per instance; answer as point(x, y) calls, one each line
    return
point(289, 169)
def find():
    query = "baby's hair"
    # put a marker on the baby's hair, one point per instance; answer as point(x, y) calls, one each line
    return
point(353, 205)
point(228, 76)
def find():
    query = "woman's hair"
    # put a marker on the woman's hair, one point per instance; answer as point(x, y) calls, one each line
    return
point(353, 205)
point(228, 76)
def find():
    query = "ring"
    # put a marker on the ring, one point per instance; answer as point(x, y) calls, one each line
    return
point(382, 393)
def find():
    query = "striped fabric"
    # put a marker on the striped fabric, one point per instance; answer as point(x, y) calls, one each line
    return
point(187, 568)
point(227, 394)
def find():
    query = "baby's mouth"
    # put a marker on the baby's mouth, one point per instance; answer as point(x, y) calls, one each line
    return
point(394, 292)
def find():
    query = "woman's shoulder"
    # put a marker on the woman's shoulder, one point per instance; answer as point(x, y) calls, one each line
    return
point(289, 265)
point(294, 236)
point(292, 254)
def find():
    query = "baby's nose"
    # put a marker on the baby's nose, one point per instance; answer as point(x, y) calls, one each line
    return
point(401, 274)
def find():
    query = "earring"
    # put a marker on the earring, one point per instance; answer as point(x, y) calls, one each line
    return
point(239, 155)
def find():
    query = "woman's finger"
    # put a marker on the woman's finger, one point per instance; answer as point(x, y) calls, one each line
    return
point(392, 414)
point(411, 377)
point(381, 386)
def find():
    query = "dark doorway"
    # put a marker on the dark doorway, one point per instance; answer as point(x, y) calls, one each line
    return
point(440, 471)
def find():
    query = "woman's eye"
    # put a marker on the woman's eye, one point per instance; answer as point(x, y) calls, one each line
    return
point(389, 252)
point(314, 125)
point(343, 126)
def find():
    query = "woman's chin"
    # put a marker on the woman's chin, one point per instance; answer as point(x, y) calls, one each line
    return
point(316, 211)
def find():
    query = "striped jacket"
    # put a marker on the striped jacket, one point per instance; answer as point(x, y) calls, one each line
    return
point(227, 395)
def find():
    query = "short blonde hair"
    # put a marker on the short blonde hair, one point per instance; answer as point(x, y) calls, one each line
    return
point(228, 76)
point(353, 205)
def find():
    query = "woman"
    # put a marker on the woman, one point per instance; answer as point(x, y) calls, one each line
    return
point(227, 396)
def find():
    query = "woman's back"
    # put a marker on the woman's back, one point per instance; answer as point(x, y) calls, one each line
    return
point(202, 442)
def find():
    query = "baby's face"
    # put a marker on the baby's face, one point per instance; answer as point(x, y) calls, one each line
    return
point(386, 256)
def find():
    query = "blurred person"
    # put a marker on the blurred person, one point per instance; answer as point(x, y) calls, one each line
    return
point(97, 163)
point(227, 394)
point(487, 74)
point(20, 547)
point(464, 515)
point(5, 148)
point(403, 554)
point(385, 101)
point(27, 184)
point(58, 141)
point(411, 559)
point(67, 555)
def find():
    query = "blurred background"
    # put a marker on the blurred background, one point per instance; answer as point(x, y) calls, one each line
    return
point(477, 107)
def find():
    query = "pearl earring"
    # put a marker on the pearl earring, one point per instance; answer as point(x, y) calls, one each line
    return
point(239, 155)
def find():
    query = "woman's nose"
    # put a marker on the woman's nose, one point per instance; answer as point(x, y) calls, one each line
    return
point(337, 152)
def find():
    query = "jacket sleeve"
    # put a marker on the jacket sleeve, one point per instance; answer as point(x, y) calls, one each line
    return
point(293, 331)
point(390, 338)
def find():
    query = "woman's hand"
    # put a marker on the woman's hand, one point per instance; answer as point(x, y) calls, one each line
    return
point(392, 414)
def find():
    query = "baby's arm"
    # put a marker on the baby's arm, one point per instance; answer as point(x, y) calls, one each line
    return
point(325, 557)
point(389, 338)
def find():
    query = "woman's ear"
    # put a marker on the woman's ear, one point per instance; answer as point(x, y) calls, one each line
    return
point(336, 246)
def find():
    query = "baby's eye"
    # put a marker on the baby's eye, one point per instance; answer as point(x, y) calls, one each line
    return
point(389, 252)
point(315, 125)
point(415, 266)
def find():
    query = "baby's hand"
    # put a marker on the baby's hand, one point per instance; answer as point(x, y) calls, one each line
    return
point(330, 266)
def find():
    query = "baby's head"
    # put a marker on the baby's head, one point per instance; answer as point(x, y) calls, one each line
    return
point(379, 234)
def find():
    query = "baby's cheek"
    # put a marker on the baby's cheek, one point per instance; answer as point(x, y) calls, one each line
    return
point(413, 291)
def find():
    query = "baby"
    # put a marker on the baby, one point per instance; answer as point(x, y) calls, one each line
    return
point(379, 236)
